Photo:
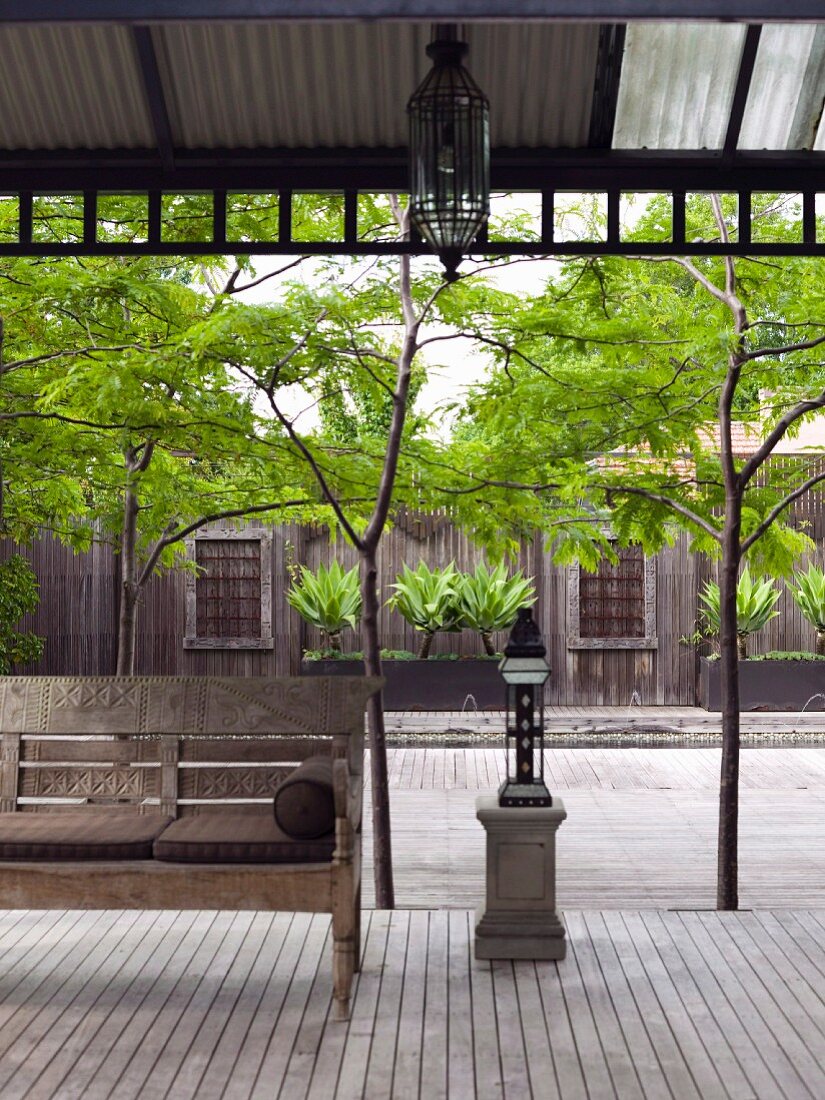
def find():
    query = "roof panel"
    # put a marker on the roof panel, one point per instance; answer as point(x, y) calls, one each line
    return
point(304, 84)
point(787, 89)
point(677, 85)
point(71, 87)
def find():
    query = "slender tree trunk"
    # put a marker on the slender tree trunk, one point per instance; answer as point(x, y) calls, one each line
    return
point(334, 640)
point(424, 647)
point(742, 646)
point(727, 885)
point(487, 639)
point(127, 626)
point(382, 850)
point(820, 643)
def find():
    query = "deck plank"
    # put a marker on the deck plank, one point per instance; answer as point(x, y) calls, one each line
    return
point(437, 1009)
point(406, 1082)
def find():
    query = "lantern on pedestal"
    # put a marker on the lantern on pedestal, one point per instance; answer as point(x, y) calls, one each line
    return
point(449, 152)
point(525, 671)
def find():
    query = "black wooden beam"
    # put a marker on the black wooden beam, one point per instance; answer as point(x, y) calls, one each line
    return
point(606, 85)
point(153, 88)
point(740, 93)
point(396, 248)
point(598, 11)
point(244, 170)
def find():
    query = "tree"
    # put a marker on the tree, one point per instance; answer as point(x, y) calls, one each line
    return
point(121, 418)
point(354, 338)
point(616, 393)
point(114, 407)
point(18, 597)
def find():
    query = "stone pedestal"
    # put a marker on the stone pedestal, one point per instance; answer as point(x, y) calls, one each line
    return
point(519, 919)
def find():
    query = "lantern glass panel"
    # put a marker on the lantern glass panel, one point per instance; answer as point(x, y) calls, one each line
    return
point(524, 670)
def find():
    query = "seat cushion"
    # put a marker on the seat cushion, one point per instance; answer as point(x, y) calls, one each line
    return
point(304, 803)
point(79, 834)
point(233, 837)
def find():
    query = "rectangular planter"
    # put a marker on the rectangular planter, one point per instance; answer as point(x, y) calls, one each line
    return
point(426, 685)
point(766, 685)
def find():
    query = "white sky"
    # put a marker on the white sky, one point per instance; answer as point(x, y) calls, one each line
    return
point(452, 366)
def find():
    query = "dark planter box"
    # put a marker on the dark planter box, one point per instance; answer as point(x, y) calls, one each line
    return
point(766, 685)
point(426, 685)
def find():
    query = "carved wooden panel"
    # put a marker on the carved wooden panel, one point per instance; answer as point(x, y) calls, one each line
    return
point(574, 614)
point(230, 782)
point(8, 771)
point(241, 633)
point(94, 782)
point(184, 705)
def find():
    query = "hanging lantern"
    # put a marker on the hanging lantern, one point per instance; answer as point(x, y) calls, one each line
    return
point(524, 670)
point(449, 152)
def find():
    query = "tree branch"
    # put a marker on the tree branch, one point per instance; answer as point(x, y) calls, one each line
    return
point(231, 286)
point(674, 505)
point(779, 508)
point(804, 345)
point(174, 534)
point(775, 435)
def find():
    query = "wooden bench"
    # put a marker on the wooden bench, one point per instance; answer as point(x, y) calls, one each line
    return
point(106, 764)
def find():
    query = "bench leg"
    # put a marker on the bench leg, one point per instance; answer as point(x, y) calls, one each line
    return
point(357, 930)
point(343, 968)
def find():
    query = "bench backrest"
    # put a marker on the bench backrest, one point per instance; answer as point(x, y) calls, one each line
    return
point(179, 744)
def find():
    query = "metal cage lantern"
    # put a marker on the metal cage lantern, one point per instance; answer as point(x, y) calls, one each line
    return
point(449, 153)
point(525, 671)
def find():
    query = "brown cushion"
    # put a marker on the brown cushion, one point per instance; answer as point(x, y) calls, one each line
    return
point(304, 802)
point(234, 837)
point(79, 834)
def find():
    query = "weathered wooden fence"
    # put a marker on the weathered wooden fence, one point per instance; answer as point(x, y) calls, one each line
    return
point(78, 614)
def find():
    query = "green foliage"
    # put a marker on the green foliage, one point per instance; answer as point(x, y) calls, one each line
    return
point(329, 599)
point(603, 402)
point(356, 655)
point(755, 604)
point(809, 595)
point(19, 595)
point(489, 599)
point(787, 655)
point(427, 599)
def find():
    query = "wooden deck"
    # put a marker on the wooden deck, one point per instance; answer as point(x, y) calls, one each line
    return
point(640, 832)
point(655, 999)
point(688, 1006)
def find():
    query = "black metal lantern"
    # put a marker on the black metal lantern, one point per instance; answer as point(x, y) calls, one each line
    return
point(449, 152)
point(525, 671)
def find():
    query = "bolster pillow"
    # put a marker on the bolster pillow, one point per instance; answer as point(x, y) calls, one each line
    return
point(304, 802)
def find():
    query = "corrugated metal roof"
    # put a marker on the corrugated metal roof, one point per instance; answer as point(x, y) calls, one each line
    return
point(336, 84)
point(249, 85)
point(246, 85)
point(677, 85)
point(787, 90)
point(71, 87)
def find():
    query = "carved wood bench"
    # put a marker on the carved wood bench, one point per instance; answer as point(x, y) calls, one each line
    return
point(95, 769)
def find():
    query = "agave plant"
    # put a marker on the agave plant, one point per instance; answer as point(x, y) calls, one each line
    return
point(427, 600)
point(755, 606)
point(489, 600)
point(329, 599)
point(809, 595)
